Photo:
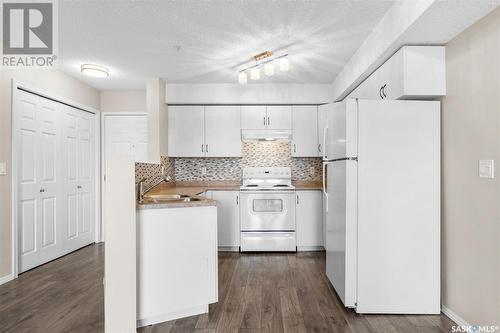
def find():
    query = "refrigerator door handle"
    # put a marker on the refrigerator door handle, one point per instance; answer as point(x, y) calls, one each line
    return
point(324, 185)
point(325, 132)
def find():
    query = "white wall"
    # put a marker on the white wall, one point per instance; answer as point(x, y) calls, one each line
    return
point(248, 93)
point(157, 120)
point(120, 248)
point(54, 82)
point(471, 205)
point(123, 101)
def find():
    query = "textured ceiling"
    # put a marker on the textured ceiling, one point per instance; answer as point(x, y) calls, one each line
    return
point(203, 41)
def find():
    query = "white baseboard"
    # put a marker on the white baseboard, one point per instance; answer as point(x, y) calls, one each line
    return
point(6, 278)
point(229, 249)
point(310, 248)
point(173, 315)
point(453, 316)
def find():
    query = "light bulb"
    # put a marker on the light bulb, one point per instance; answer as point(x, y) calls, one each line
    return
point(269, 69)
point(255, 73)
point(242, 78)
point(284, 64)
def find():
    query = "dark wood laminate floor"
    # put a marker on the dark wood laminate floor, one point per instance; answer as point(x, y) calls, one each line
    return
point(257, 293)
point(64, 295)
point(287, 293)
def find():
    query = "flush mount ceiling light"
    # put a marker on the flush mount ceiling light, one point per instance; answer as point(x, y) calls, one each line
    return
point(264, 59)
point(94, 70)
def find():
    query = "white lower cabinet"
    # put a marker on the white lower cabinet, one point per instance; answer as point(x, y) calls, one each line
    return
point(309, 220)
point(176, 263)
point(228, 219)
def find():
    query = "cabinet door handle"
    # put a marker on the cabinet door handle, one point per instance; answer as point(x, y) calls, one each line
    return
point(206, 148)
point(42, 190)
point(79, 187)
point(383, 90)
point(268, 122)
point(237, 200)
point(294, 148)
point(264, 121)
point(297, 199)
point(202, 147)
point(319, 147)
point(380, 93)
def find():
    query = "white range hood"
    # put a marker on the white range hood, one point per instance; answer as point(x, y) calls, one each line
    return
point(266, 135)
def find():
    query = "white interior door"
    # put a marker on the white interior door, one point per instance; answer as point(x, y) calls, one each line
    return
point(28, 126)
point(141, 138)
point(126, 135)
point(78, 157)
point(55, 178)
point(50, 185)
point(222, 131)
point(85, 181)
point(70, 180)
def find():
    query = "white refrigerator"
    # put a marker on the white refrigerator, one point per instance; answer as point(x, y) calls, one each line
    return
point(381, 182)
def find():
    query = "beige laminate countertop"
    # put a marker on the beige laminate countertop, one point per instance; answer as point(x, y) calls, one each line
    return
point(196, 188)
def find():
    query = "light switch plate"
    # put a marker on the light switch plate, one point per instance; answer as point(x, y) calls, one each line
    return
point(3, 168)
point(486, 169)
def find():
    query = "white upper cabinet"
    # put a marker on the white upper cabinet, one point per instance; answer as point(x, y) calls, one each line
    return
point(279, 117)
point(414, 72)
point(270, 117)
point(186, 131)
point(204, 131)
point(305, 131)
point(222, 131)
point(253, 117)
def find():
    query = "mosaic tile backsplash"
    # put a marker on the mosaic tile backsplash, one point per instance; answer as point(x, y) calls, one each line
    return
point(152, 172)
point(255, 154)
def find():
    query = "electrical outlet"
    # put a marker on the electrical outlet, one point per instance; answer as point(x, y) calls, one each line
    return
point(203, 171)
point(486, 169)
point(312, 171)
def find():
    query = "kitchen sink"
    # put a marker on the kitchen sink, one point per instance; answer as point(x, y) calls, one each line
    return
point(168, 198)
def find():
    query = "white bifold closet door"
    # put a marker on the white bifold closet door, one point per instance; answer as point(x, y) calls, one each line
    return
point(55, 177)
point(78, 178)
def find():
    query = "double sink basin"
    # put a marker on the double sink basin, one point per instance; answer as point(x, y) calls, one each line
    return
point(169, 198)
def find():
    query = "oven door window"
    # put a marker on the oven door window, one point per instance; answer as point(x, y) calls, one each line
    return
point(267, 205)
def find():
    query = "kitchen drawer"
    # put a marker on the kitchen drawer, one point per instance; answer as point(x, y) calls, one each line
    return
point(268, 241)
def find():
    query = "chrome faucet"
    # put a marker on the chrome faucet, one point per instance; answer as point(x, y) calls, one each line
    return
point(141, 190)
